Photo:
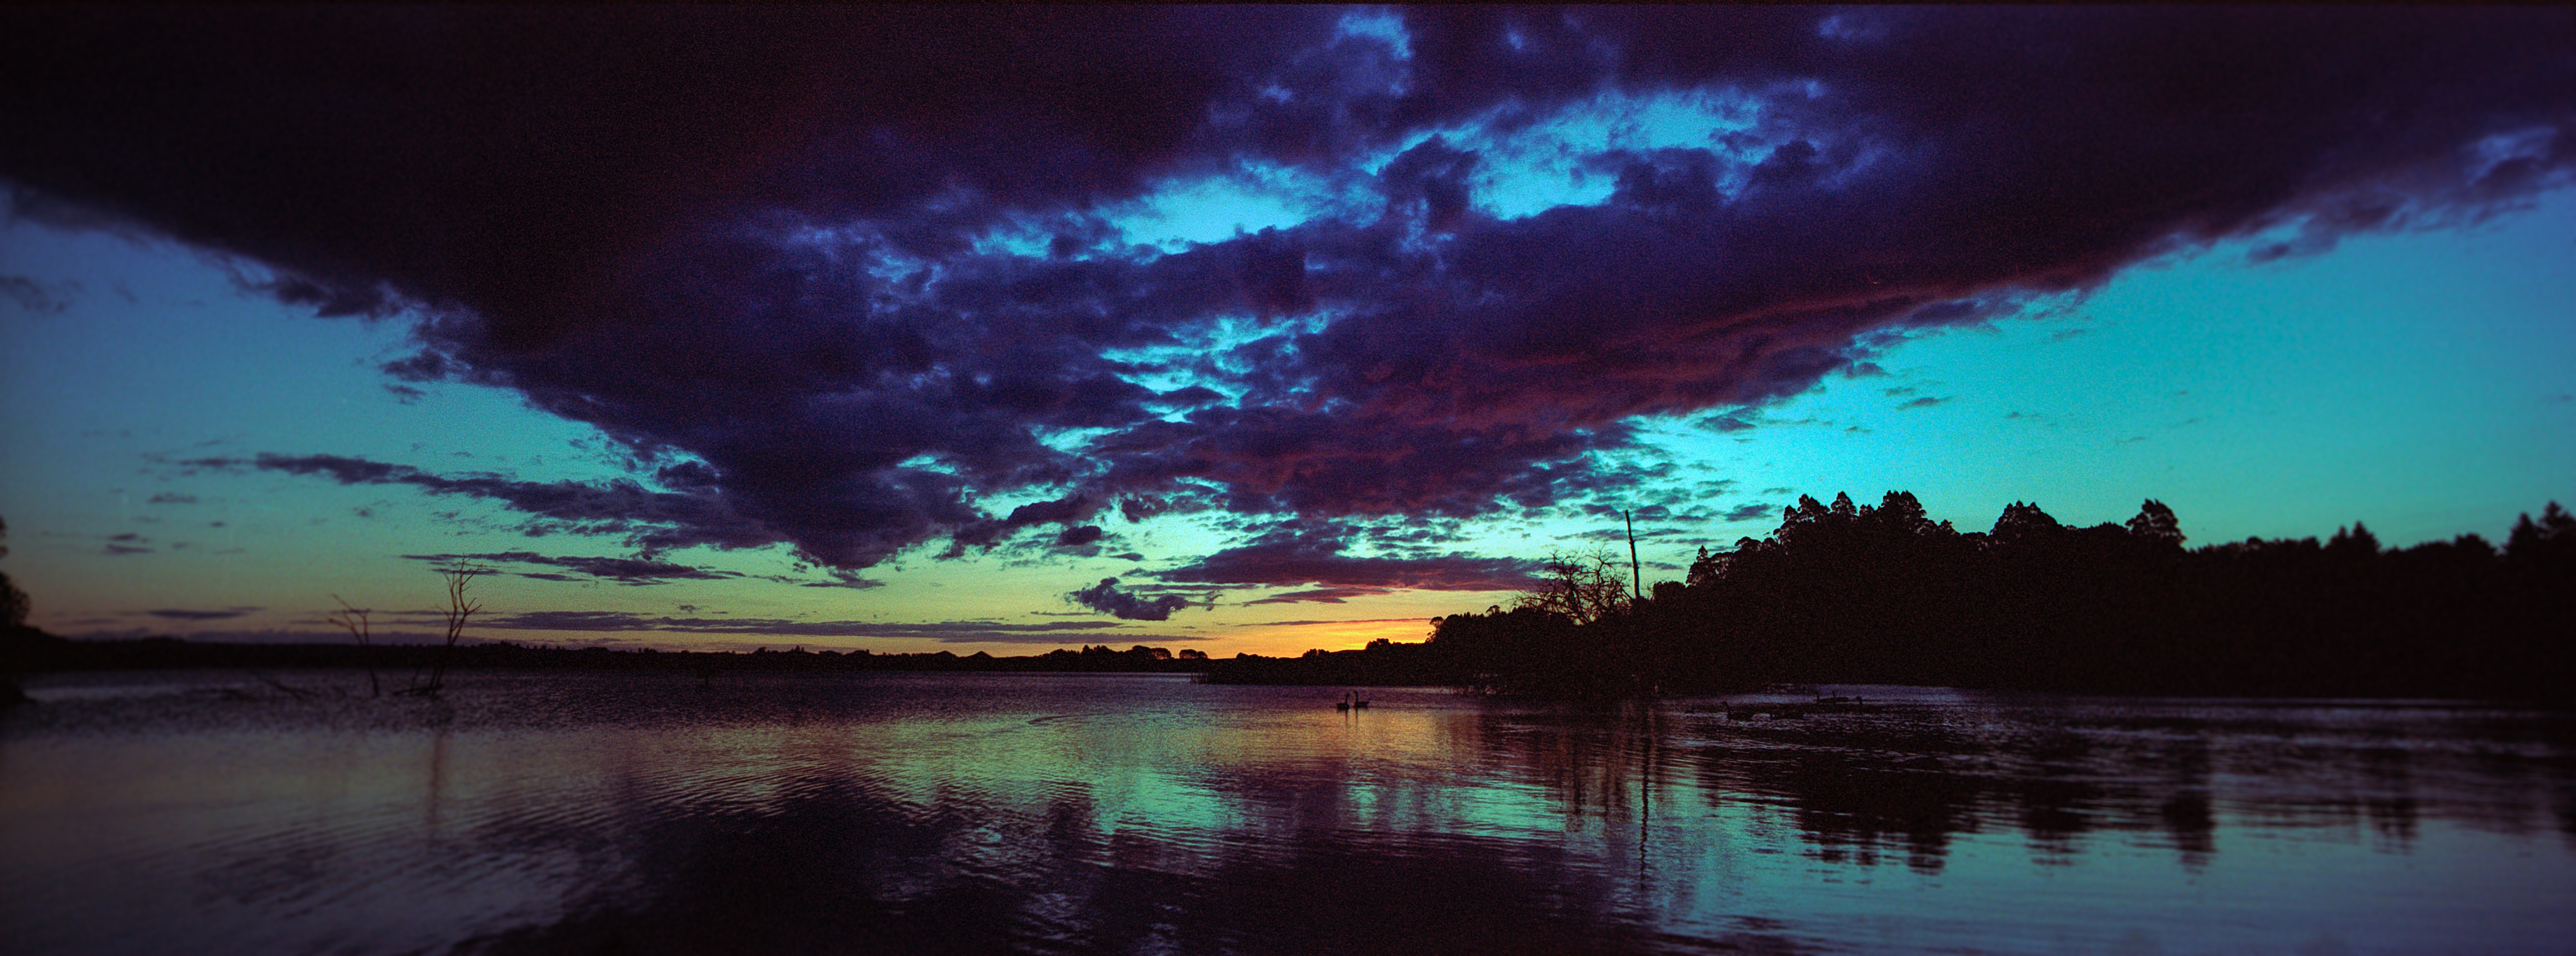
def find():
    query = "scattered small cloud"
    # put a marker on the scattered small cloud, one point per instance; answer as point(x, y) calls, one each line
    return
point(838, 578)
point(1321, 596)
point(185, 614)
point(37, 297)
point(1750, 512)
point(1729, 422)
point(1106, 598)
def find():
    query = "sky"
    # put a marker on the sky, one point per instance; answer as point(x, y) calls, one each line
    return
point(1236, 329)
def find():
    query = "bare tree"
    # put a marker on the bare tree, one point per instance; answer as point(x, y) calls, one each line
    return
point(354, 621)
point(13, 602)
point(1583, 587)
point(13, 644)
point(460, 607)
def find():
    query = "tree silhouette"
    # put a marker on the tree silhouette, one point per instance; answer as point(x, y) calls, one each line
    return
point(13, 631)
point(1848, 593)
point(2025, 523)
point(1584, 588)
point(459, 608)
point(2155, 524)
point(354, 620)
point(2551, 539)
point(2354, 542)
point(14, 604)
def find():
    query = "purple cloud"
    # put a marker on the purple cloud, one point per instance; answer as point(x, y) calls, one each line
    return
point(850, 271)
point(1311, 553)
point(1321, 595)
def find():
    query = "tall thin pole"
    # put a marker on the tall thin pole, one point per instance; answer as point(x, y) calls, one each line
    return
point(1635, 576)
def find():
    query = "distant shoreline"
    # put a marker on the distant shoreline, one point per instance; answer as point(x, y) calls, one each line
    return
point(49, 654)
point(1383, 664)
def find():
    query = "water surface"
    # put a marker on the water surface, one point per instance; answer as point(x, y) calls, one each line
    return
point(214, 812)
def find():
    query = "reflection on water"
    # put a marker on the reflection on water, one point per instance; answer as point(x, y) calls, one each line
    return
point(166, 813)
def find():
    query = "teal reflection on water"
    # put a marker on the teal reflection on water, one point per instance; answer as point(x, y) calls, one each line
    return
point(210, 812)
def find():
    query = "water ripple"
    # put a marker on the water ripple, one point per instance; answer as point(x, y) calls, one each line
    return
point(1047, 813)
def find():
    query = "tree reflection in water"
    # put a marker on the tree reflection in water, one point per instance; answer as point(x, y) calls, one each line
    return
point(1147, 814)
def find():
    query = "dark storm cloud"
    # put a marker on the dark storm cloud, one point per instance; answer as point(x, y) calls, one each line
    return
point(760, 240)
point(504, 158)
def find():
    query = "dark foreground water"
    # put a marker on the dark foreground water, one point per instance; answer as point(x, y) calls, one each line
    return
point(219, 813)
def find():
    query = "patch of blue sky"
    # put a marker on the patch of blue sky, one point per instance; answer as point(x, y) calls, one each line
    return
point(1533, 167)
point(1026, 240)
point(1215, 345)
point(1072, 441)
point(2420, 382)
point(1539, 165)
point(1215, 208)
point(158, 355)
point(1206, 354)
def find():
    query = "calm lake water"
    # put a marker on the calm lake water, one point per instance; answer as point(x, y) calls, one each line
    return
point(214, 812)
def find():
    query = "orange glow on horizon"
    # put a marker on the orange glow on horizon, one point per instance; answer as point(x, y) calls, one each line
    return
point(1292, 639)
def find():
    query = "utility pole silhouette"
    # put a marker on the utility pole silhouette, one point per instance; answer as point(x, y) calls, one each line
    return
point(1636, 577)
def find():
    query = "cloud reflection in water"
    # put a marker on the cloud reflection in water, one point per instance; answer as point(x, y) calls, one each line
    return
point(1051, 813)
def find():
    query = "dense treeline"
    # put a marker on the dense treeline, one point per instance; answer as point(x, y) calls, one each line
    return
point(1859, 594)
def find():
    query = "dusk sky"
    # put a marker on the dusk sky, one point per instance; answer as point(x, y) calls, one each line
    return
point(1237, 329)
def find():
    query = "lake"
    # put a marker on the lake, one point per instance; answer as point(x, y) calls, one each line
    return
point(223, 812)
